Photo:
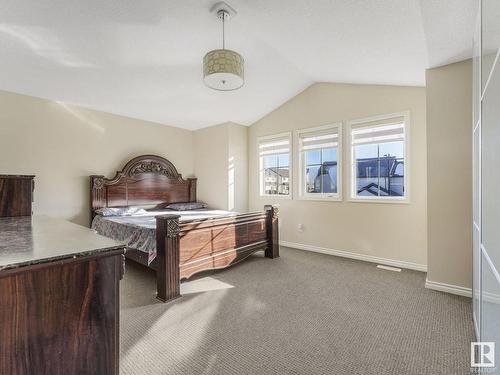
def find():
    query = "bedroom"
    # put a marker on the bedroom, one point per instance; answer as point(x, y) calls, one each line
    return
point(354, 230)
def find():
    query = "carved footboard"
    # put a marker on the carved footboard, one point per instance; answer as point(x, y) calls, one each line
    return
point(186, 249)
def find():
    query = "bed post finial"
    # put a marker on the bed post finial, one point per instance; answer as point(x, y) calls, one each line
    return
point(272, 231)
point(97, 194)
point(168, 257)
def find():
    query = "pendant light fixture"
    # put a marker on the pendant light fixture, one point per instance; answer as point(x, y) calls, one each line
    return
point(223, 69)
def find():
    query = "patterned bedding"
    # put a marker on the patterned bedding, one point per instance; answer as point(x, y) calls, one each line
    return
point(139, 231)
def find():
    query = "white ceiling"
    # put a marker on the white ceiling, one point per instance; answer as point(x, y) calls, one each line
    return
point(143, 58)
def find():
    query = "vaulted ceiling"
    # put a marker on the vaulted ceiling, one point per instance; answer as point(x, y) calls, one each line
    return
point(143, 59)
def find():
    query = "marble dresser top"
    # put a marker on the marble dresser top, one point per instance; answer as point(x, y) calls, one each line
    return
point(36, 239)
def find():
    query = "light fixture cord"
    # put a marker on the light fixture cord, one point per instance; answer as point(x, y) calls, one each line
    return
point(223, 31)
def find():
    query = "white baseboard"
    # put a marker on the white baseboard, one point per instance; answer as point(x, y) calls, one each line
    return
point(366, 258)
point(448, 288)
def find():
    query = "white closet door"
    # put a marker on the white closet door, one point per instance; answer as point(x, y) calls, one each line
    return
point(489, 120)
point(476, 176)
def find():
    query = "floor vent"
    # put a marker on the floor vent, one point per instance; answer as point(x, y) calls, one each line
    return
point(389, 268)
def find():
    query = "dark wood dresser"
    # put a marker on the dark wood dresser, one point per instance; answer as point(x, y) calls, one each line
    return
point(16, 195)
point(59, 298)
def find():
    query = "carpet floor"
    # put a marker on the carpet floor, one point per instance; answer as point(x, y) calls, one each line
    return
point(303, 313)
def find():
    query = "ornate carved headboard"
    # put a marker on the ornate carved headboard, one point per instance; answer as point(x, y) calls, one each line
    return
point(147, 181)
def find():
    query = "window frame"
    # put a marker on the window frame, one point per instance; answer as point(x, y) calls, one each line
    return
point(407, 163)
point(290, 165)
point(303, 194)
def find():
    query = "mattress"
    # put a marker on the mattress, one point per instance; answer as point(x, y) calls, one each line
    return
point(139, 231)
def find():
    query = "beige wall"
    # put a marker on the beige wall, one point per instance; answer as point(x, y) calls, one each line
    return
point(210, 165)
point(221, 166)
point(62, 145)
point(449, 192)
point(238, 167)
point(391, 231)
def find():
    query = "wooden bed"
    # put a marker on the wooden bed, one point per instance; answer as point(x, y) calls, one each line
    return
point(183, 249)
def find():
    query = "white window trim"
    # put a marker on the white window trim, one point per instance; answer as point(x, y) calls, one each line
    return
point(290, 165)
point(351, 173)
point(337, 197)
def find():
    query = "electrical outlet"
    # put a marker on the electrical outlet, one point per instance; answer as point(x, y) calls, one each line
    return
point(300, 228)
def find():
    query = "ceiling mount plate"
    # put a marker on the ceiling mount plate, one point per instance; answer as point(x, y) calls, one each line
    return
point(222, 9)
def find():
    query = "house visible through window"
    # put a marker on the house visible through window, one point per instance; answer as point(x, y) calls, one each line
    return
point(319, 161)
point(378, 150)
point(275, 166)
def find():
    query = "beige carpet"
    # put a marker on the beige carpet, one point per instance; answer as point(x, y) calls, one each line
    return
point(303, 313)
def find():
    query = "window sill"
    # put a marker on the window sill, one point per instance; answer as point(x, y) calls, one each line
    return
point(320, 198)
point(379, 200)
point(289, 196)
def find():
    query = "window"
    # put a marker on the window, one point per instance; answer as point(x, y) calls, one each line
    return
point(275, 165)
point(319, 160)
point(379, 158)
